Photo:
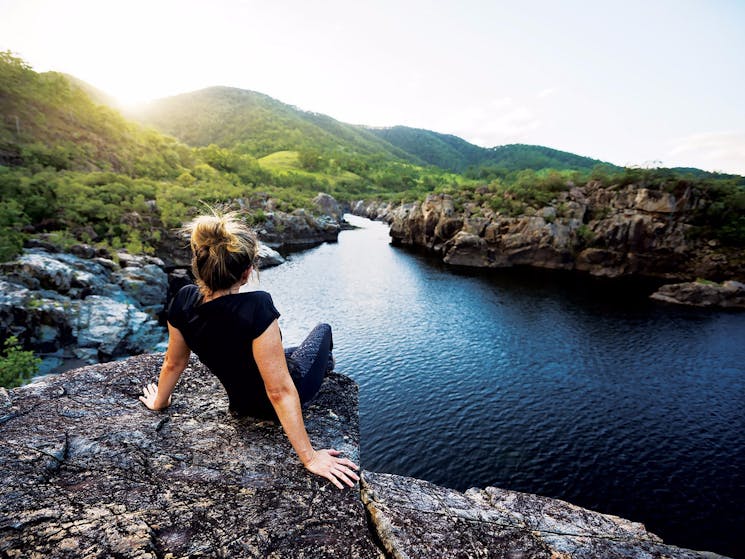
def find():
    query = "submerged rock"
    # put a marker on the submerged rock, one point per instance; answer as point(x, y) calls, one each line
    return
point(416, 519)
point(87, 471)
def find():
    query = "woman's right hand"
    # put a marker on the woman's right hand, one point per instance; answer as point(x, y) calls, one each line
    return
point(327, 463)
point(150, 398)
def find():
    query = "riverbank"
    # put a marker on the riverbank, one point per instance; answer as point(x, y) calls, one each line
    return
point(607, 231)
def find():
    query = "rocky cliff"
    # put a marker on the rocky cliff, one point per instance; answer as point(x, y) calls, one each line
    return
point(85, 305)
point(87, 471)
point(605, 231)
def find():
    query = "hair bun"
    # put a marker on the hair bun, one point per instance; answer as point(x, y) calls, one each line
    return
point(223, 247)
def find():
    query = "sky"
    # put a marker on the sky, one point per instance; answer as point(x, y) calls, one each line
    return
point(645, 83)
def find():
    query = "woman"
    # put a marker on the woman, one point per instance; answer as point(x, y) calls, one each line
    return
point(236, 335)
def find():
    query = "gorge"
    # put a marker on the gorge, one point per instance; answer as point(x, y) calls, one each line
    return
point(530, 374)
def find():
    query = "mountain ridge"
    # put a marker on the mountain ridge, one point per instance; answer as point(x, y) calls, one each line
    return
point(191, 118)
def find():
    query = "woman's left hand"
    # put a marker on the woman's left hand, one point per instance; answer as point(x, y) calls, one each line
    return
point(150, 396)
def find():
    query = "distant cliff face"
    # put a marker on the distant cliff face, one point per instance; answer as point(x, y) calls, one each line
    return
point(604, 231)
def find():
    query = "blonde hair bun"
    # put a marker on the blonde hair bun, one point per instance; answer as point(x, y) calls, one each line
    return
point(223, 248)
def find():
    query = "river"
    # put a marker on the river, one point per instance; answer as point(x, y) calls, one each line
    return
point(549, 383)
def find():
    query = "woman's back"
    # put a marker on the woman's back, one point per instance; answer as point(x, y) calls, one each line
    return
point(221, 333)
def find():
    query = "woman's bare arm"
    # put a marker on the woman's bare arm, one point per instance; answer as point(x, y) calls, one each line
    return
point(158, 396)
point(270, 358)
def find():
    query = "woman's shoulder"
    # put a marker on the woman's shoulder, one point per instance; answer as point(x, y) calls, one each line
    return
point(188, 295)
point(255, 299)
point(257, 304)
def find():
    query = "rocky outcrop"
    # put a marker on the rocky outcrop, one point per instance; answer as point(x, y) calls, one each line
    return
point(729, 294)
point(175, 252)
point(277, 230)
point(87, 471)
point(327, 205)
point(416, 519)
point(381, 211)
point(610, 232)
point(297, 229)
point(87, 308)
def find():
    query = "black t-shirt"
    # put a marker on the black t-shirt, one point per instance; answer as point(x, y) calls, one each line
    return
point(221, 333)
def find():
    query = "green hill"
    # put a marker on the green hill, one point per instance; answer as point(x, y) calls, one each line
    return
point(48, 121)
point(254, 123)
point(257, 124)
point(455, 154)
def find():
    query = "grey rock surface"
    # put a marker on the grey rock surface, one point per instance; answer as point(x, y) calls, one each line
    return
point(87, 471)
point(728, 294)
point(416, 519)
point(327, 205)
point(65, 306)
point(297, 229)
point(268, 257)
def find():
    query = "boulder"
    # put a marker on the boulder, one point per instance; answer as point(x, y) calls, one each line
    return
point(268, 257)
point(65, 306)
point(87, 471)
point(113, 328)
point(297, 229)
point(146, 284)
point(327, 205)
point(416, 519)
point(729, 294)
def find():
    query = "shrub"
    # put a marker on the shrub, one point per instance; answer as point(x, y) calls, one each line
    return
point(16, 365)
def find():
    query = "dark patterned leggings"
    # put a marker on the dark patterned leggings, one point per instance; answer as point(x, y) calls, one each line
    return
point(310, 361)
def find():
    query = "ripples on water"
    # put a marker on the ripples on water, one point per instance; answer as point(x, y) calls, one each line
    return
point(548, 383)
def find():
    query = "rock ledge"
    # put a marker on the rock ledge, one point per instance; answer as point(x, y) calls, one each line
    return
point(86, 472)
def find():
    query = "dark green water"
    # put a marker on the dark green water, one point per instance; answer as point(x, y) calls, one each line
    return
point(548, 383)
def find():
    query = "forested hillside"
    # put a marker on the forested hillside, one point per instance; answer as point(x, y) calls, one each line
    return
point(48, 121)
point(254, 123)
point(457, 155)
point(76, 169)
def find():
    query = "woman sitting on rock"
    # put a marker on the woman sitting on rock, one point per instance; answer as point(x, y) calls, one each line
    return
point(236, 335)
